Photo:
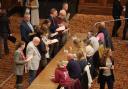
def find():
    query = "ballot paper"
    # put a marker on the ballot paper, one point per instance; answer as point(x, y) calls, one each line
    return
point(62, 28)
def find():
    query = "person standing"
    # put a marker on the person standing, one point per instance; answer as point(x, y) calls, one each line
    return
point(33, 64)
point(52, 31)
point(106, 68)
point(93, 40)
point(33, 5)
point(19, 63)
point(4, 31)
point(116, 13)
point(126, 22)
point(26, 29)
point(107, 38)
point(65, 7)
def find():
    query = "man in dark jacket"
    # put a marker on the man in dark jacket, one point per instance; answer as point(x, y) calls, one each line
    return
point(116, 12)
point(54, 48)
point(4, 30)
point(26, 29)
point(126, 22)
point(73, 67)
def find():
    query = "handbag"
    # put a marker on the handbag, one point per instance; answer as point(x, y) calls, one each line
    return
point(12, 39)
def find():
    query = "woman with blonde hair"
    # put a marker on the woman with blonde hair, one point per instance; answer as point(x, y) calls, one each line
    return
point(106, 68)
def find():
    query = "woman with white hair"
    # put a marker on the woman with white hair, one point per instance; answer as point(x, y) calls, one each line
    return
point(62, 77)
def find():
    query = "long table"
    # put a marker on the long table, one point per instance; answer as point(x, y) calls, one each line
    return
point(43, 79)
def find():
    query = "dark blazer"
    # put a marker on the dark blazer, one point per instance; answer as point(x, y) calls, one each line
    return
point(4, 25)
point(84, 78)
point(25, 30)
point(82, 64)
point(53, 25)
point(126, 12)
point(117, 9)
point(74, 69)
point(101, 72)
point(42, 49)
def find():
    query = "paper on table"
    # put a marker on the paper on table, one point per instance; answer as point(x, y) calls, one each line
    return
point(61, 28)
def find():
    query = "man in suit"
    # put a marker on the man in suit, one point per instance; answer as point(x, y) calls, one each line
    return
point(4, 30)
point(116, 12)
point(26, 29)
point(33, 64)
point(53, 34)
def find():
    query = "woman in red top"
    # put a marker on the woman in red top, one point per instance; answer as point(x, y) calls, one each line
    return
point(62, 77)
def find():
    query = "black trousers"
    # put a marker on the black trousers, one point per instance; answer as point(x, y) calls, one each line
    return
point(54, 48)
point(32, 75)
point(108, 80)
point(116, 26)
point(19, 79)
point(4, 38)
point(125, 30)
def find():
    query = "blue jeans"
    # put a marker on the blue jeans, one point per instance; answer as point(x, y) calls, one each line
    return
point(32, 75)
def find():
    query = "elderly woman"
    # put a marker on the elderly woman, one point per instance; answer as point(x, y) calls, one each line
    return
point(62, 77)
point(20, 60)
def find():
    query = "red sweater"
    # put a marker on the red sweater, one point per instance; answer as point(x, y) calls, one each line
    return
point(62, 77)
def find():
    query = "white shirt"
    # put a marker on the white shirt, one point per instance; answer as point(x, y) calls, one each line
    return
point(30, 25)
point(89, 51)
point(94, 43)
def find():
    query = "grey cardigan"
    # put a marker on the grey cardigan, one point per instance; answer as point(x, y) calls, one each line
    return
point(19, 63)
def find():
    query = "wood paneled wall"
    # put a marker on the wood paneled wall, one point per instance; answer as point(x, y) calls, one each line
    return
point(96, 6)
point(8, 4)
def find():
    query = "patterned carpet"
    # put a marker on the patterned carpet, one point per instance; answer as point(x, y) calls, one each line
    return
point(79, 24)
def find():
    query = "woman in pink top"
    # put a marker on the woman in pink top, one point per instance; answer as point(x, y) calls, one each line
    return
point(100, 37)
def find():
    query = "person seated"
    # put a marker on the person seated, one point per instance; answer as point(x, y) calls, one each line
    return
point(73, 67)
point(62, 77)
